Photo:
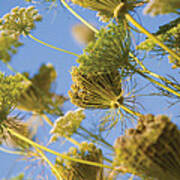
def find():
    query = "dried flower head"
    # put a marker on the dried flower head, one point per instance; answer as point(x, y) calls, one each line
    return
point(19, 21)
point(150, 150)
point(100, 91)
point(11, 88)
point(82, 34)
point(68, 124)
point(169, 34)
point(155, 7)
point(107, 9)
point(38, 97)
point(8, 46)
point(109, 52)
point(78, 171)
point(16, 125)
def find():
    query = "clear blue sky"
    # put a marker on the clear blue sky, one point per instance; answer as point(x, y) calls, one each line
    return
point(55, 29)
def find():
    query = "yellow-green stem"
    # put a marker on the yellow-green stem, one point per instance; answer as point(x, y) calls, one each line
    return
point(79, 17)
point(53, 47)
point(56, 153)
point(152, 73)
point(13, 152)
point(147, 33)
point(49, 162)
point(130, 111)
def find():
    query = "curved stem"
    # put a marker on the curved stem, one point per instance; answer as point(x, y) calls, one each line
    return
point(12, 152)
point(34, 144)
point(79, 17)
point(156, 40)
point(49, 162)
point(53, 47)
point(145, 70)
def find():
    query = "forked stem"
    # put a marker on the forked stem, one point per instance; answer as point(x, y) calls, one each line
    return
point(151, 36)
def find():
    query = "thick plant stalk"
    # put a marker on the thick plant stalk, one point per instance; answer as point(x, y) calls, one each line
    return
point(49, 163)
point(147, 33)
point(56, 153)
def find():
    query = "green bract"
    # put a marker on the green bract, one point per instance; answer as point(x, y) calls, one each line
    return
point(109, 52)
point(100, 90)
point(169, 34)
point(38, 97)
point(68, 124)
point(108, 9)
point(150, 150)
point(19, 21)
point(70, 170)
point(155, 7)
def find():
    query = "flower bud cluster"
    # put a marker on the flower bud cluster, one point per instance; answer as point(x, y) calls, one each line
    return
point(8, 46)
point(150, 150)
point(71, 170)
point(19, 21)
point(68, 124)
point(108, 52)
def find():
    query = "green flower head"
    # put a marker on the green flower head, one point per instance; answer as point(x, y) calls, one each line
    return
point(108, 9)
point(150, 150)
point(108, 52)
point(78, 171)
point(68, 124)
point(19, 21)
point(100, 91)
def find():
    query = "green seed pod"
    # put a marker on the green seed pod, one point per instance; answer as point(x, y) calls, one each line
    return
point(150, 150)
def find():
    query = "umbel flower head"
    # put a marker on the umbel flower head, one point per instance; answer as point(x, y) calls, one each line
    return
point(107, 9)
point(8, 46)
point(10, 89)
point(19, 21)
point(108, 52)
point(71, 170)
point(150, 150)
point(68, 124)
point(100, 90)
point(38, 97)
point(82, 34)
point(155, 7)
point(170, 36)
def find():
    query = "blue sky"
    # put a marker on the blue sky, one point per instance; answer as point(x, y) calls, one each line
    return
point(55, 29)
